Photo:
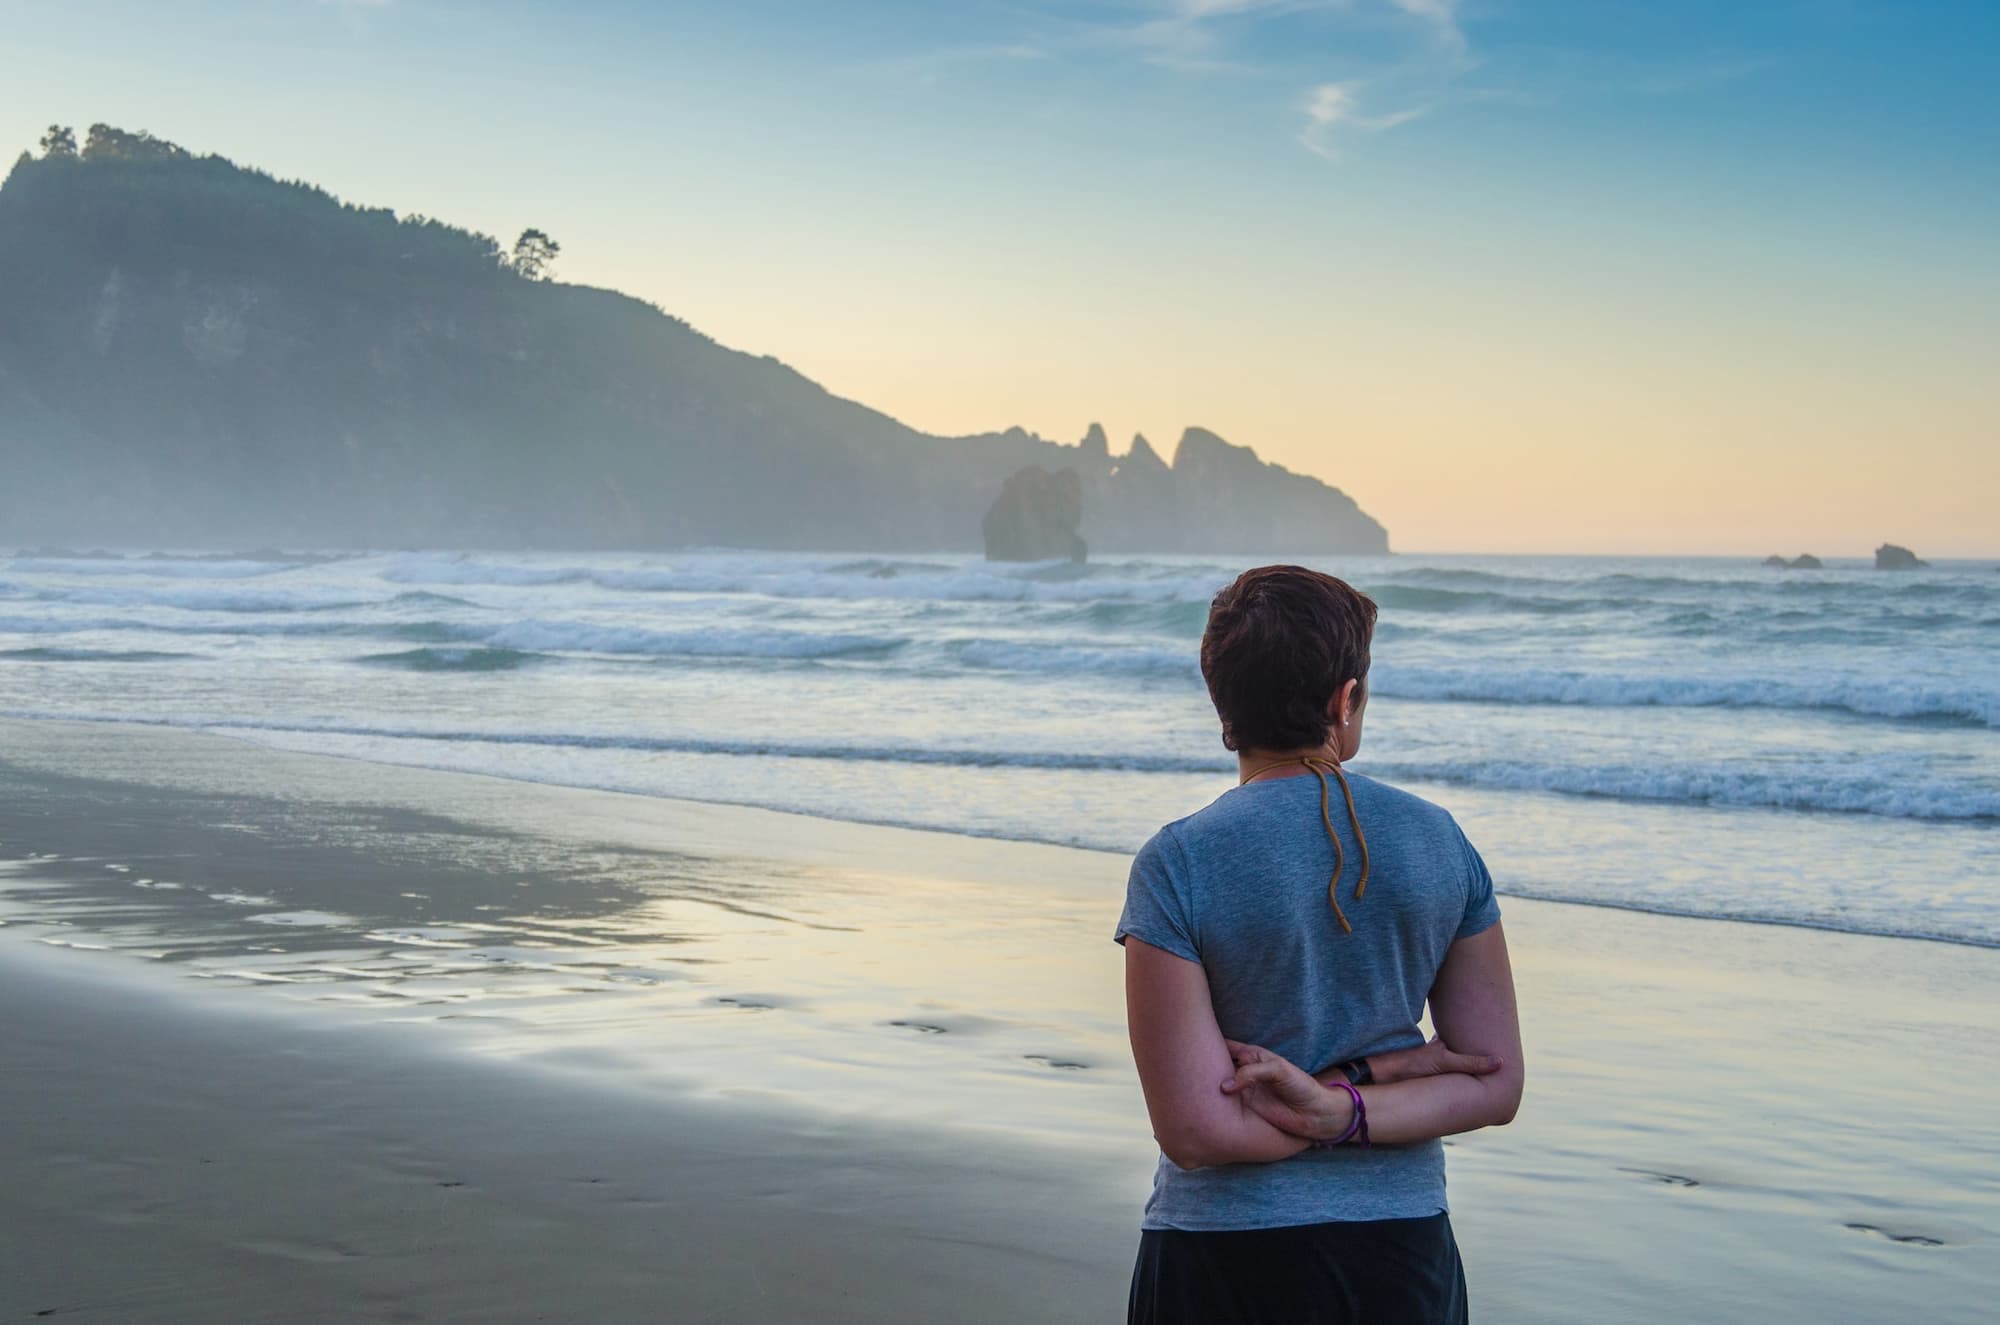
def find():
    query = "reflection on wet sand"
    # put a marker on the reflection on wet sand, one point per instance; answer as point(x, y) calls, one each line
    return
point(619, 954)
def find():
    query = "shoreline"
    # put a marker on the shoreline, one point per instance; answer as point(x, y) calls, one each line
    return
point(244, 737)
point(1797, 1113)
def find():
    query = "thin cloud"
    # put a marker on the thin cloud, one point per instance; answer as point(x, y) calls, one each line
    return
point(1184, 39)
point(358, 17)
point(1334, 109)
point(926, 68)
point(1218, 37)
point(1188, 35)
point(1198, 9)
point(1715, 72)
point(1442, 18)
point(1212, 8)
point(1203, 36)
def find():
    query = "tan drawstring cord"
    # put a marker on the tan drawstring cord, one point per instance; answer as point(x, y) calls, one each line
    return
point(1320, 768)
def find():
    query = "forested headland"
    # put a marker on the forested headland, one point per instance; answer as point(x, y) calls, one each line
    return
point(197, 353)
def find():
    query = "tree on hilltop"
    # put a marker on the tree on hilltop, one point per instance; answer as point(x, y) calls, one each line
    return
point(534, 254)
point(59, 141)
point(107, 143)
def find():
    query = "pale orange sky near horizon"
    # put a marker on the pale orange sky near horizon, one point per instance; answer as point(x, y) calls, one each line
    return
point(1464, 421)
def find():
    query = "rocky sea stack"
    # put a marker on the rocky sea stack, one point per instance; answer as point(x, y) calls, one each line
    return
point(1035, 518)
point(1891, 557)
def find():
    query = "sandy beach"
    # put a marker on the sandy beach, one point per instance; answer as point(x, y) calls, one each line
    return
point(300, 1038)
point(187, 1161)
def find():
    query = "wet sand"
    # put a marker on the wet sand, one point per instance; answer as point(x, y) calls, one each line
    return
point(458, 1048)
point(176, 1160)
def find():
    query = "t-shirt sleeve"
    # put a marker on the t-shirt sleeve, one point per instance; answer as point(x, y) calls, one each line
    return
point(1156, 900)
point(1482, 909)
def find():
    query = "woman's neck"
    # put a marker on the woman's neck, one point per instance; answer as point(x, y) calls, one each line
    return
point(1269, 765)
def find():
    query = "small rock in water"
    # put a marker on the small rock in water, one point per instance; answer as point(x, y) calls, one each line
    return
point(1891, 557)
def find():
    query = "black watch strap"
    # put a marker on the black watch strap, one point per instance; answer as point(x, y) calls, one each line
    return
point(1358, 1072)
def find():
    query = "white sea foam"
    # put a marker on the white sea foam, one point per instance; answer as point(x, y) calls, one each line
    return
point(161, 568)
point(1615, 690)
point(1834, 787)
point(307, 919)
point(1021, 656)
point(580, 637)
point(433, 568)
point(194, 598)
point(869, 579)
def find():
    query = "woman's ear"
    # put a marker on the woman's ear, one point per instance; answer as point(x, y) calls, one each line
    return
point(1346, 705)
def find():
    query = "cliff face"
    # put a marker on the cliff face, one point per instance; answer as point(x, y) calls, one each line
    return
point(196, 354)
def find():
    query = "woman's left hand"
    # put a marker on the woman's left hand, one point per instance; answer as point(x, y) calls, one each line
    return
point(1429, 1060)
point(1285, 1096)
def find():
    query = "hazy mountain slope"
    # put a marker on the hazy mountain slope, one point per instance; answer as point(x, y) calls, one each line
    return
point(195, 353)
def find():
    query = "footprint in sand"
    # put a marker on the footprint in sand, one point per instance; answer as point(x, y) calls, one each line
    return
point(1667, 1179)
point(921, 1027)
point(1908, 1239)
point(1060, 1064)
point(322, 1253)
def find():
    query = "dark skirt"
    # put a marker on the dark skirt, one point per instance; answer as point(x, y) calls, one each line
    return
point(1377, 1272)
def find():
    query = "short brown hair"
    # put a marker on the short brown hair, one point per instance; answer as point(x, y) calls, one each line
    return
point(1280, 642)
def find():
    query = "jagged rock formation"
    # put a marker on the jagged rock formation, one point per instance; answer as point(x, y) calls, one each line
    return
point(193, 354)
point(1035, 518)
point(1095, 448)
point(1891, 557)
point(1804, 561)
point(1214, 498)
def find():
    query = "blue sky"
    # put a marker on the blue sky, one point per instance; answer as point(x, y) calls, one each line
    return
point(1556, 276)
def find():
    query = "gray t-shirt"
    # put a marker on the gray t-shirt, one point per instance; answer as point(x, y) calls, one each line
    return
point(1240, 887)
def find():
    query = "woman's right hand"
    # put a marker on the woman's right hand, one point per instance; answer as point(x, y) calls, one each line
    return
point(1285, 1096)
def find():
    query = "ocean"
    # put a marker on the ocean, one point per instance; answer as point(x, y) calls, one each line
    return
point(1703, 737)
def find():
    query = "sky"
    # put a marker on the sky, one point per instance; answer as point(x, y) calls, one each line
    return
point(1565, 276)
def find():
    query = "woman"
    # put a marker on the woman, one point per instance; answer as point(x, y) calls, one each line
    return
point(1305, 917)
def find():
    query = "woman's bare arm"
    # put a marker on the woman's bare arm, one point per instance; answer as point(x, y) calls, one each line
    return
point(1183, 1059)
point(1472, 1006)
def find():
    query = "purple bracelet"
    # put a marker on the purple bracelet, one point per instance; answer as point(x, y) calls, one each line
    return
point(1356, 1126)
